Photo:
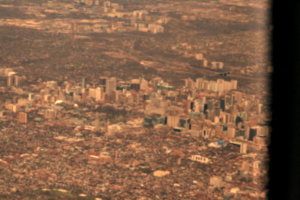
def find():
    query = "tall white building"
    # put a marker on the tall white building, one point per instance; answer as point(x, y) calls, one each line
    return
point(234, 84)
point(144, 84)
point(30, 96)
point(227, 86)
point(92, 92)
point(231, 132)
point(243, 148)
point(98, 94)
point(199, 83)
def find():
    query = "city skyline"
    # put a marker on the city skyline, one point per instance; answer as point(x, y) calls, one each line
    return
point(134, 99)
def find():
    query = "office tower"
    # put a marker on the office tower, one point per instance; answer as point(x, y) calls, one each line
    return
point(172, 121)
point(184, 122)
point(266, 131)
point(92, 92)
point(22, 117)
point(252, 134)
point(17, 80)
point(216, 119)
point(135, 86)
point(198, 106)
point(227, 86)
point(205, 85)
point(208, 114)
point(243, 148)
point(232, 101)
point(189, 83)
point(102, 80)
point(212, 86)
point(98, 94)
point(221, 84)
point(83, 84)
point(47, 97)
point(222, 104)
point(205, 109)
point(144, 84)
point(97, 123)
point(156, 81)
point(205, 63)
point(239, 97)
point(227, 117)
point(221, 65)
point(9, 81)
point(217, 112)
point(111, 85)
point(15, 108)
point(259, 109)
point(30, 96)
point(199, 83)
point(234, 84)
point(210, 105)
point(231, 132)
point(61, 95)
point(84, 95)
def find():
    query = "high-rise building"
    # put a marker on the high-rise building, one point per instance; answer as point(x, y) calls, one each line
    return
point(231, 132)
point(98, 94)
point(252, 134)
point(205, 63)
point(83, 84)
point(217, 111)
point(189, 83)
point(156, 81)
point(22, 117)
point(205, 85)
point(234, 84)
point(15, 108)
point(210, 105)
point(239, 97)
point(199, 83)
point(97, 123)
point(92, 92)
point(135, 86)
point(259, 109)
point(233, 99)
point(102, 81)
point(10, 81)
point(172, 121)
point(111, 85)
point(17, 80)
point(30, 96)
point(144, 84)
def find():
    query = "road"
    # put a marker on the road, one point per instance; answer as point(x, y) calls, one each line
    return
point(230, 75)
